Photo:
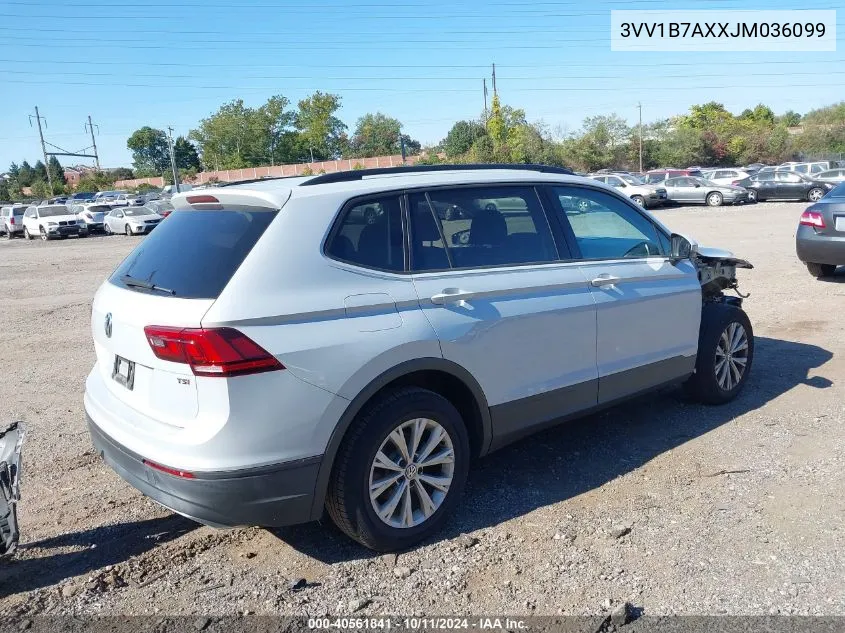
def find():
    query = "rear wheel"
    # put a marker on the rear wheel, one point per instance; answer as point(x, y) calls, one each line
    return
point(752, 195)
point(400, 471)
point(714, 199)
point(9, 234)
point(821, 270)
point(26, 233)
point(725, 354)
point(815, 194)
point(127, 230)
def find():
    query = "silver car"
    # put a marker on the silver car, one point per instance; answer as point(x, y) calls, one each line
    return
point(130, 220)
point(831, 175)
point(644, 195)
point(694, 190)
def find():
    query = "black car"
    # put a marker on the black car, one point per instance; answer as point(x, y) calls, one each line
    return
point(820, 239)
point(784, 185)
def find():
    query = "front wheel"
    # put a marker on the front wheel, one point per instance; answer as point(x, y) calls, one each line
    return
point(44, 236)
point(815, 194)
point(725, 354)
point(820, 270)
point(127, 230)
point(400, 471)
point(639, 201)
point(107, 229)
point(714, 199)
point(752, 196)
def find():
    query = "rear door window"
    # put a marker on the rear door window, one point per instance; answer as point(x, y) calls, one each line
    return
point(195, 253)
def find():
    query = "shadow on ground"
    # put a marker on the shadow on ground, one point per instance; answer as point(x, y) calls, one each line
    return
point(584, 454)
point(113, 544)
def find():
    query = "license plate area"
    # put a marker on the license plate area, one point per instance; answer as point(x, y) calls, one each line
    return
point(840, 223)
point(123, 372)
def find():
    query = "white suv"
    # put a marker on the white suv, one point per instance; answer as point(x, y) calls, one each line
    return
point(268, 353)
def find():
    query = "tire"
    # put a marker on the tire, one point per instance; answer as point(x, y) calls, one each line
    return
point(107, 229)
point(639, 201)
point(714, 199)
point(820, 270)
point(9, 234)
point(583, 205)
point(127, 231)
point(711, 383)
point(349, 502)
point(815, 194)
point(26, 233)
point(44, 236)
point(752, 196)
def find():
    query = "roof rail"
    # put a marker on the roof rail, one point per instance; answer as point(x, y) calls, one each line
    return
point(359, 174)
point(251, 180)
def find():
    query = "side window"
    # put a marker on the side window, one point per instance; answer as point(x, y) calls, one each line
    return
point(370, 235)
point(489, 226)
point(801, 169)
point(30, 213)
point(428, 251)
point(607, 228)
point(788, 177)
point(614, 181)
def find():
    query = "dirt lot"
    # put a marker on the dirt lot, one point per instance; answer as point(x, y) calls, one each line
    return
point(675, 507)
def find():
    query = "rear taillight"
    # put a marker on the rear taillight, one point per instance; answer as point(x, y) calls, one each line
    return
point(176, 472)
point(211, 351)
point(735, 183)
point(12, 220)
point(812, 218)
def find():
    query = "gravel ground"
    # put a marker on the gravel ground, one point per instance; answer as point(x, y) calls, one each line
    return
point(675, 507)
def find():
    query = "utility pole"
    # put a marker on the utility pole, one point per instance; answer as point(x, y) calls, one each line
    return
point(38, 118)
point(311, 149)
point(173, 159)
point(93, 142)
point(485, 99)
point(640, 106)
point(494, 81)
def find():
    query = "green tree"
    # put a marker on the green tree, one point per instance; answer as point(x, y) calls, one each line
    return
point(121, 173)
point(320, 131)
point(25, 174)
point(185, 154)
point(40, 188)
point(460, 138)
point(150, 151)
point(14, 170)
point(57, 172)
point(790, 118)
point(5, 192)
point(272, 127)
point(705, 116)
point(39, 171)
point(376, 135)
point(95, 181)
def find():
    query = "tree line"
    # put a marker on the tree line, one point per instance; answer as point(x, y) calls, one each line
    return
point(276, 132)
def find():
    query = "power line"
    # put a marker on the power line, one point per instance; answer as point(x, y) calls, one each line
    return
point(123, 64)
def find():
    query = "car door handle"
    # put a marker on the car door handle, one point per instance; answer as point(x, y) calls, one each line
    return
point(604, 280)
point(451, 295)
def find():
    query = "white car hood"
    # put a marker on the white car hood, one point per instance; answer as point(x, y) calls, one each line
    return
point(69, 217)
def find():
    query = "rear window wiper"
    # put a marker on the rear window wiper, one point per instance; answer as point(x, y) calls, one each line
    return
point(132, 282)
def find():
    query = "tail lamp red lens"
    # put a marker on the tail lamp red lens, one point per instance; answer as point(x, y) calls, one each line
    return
point(176, 472)
point(812, 218)
point(221, 352)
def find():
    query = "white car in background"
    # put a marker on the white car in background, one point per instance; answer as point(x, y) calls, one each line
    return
point(130, 221)
point(52, 221)
point(92, 214)
point(110, 197)
point(643, 195)
point(725, 177)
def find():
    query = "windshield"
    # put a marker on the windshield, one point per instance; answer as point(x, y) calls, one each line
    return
point(49, 212)
point(137, 212)
point(100, 208)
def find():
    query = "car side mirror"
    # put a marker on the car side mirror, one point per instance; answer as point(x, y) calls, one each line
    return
point(682, 247)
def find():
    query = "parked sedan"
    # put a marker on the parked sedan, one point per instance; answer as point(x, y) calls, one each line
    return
point(725, 176)
point(693, 190)
point(646, 196)
point(820, 239)
point(832, 175)
point(92, 214)
point(784, 185)
point(131, 220)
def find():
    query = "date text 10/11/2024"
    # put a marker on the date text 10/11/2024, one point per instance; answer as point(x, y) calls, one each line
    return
point(416, 624)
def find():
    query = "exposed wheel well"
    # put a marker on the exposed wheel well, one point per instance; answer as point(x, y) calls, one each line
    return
point(455, 391)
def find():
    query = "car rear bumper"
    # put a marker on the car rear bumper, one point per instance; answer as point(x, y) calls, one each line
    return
point(819, 249)
point(270, 496)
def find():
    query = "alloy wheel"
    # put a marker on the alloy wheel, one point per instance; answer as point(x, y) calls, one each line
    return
point(731, 356)
point(412, 473)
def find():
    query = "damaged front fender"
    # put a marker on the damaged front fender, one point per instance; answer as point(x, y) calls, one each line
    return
point(11, 440)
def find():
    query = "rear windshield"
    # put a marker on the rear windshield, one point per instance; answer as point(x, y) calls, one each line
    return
point(195, 253)
point(838, 191)
point(99, 208)
point(18, 213)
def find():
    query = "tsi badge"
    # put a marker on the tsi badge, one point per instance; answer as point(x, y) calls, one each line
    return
point(108, 325)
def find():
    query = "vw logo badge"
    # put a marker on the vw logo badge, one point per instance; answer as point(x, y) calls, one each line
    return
point(108, 325)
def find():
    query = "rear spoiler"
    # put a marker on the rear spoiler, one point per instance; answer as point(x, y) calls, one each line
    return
point(219, 198)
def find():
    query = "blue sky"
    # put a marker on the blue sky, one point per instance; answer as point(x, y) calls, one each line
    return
point(161, 63)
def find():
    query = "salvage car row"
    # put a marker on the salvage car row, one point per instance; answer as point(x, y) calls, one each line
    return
point(58, 221)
